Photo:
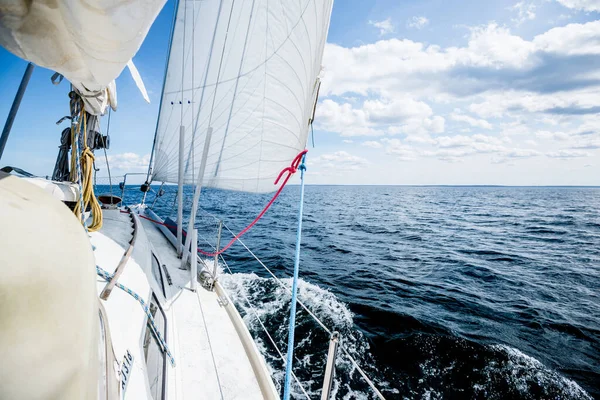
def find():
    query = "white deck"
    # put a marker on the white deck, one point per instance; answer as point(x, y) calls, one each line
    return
point(212, 360)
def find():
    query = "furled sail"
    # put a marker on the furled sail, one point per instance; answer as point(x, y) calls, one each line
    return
point(89, 42)
point(248, 72)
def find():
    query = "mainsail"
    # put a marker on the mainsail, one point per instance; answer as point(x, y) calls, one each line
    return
point(247, 70)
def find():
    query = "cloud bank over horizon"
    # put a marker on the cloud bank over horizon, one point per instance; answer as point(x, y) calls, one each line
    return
point(497, 100)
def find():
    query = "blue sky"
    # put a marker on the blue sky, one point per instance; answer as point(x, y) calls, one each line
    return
point(414, 92)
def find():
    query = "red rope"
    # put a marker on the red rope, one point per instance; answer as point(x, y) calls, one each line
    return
point(291, 170)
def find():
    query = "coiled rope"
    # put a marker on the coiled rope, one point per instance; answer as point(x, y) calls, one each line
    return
point(82, 167)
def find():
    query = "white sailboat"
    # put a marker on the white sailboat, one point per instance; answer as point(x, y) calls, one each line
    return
point(116, 310)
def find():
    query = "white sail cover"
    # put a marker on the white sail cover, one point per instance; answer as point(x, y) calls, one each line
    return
point(249, 71)
point(89, 42)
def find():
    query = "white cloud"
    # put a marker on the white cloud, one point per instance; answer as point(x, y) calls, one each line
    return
point(379, 117)
point(543, 88)
point(494, 45)
point(584, 5)
point(343, 119)
point(340, 160)
point(561, 103)
point(401, 151)
point(572, 39)
point(525, 11)
point(449, 155)
point(493, 60)
point(129, 162)
point(420, 140)
point(477, 123)
point(479, 143)
point(521, 153)
point(400, 65)
point(456, 148)
point(588, 144)
point(372, 144)
point(565, 154)
point(348, 141)
point(417, 22)
point(435, 124)
point(385, 27)
point(397, 110)
point(552, 135)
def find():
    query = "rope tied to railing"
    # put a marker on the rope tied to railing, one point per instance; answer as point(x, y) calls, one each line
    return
point(297, 164)
point(291, 170)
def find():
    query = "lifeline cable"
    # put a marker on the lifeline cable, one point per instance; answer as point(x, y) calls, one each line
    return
point(107, 277)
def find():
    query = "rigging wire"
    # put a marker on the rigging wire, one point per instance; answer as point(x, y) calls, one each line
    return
point(292, 324)
point(105, 155)
point(314, 317)
point(162, 94)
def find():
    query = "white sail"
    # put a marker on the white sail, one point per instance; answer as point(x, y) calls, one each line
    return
point(249, 70)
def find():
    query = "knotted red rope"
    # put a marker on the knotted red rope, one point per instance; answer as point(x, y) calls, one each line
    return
point(291, 170)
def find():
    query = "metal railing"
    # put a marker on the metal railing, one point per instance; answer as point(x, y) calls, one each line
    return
point(121, 182)
point(335, 343)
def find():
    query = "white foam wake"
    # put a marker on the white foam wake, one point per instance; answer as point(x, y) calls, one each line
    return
point(270, 302)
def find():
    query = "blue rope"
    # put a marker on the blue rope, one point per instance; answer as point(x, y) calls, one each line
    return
point(146, 308)
point(292, 326)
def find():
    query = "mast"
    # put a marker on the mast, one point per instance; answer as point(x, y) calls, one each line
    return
point(162, 93)
point(15, 107)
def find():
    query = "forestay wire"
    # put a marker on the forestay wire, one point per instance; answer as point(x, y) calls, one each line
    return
point(292, 325)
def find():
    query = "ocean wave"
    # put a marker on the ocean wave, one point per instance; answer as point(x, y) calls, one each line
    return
point(270, 302)
point(515, 373)
point(426, 366)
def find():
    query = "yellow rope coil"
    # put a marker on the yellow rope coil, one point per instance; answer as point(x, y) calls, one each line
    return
point(87, 175)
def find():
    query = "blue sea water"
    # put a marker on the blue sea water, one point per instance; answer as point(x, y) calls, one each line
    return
point(439, 292)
